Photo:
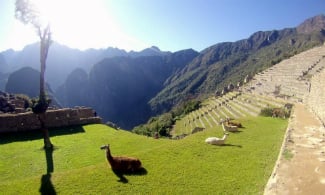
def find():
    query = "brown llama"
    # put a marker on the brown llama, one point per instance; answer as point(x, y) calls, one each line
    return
point(230, 122)
point(122, 164)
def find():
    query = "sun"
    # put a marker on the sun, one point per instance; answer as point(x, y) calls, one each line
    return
point(84, 24)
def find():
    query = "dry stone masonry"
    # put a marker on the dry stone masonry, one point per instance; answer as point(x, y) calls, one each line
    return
point(11, 103)
point(289, 79)
point(300, 78)
point(54, 118)
point(316, 98)
point(15, 117)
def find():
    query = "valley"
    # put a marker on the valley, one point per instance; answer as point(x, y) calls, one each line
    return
point(271, 83)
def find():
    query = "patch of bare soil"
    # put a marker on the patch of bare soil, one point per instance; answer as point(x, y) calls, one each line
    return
point(301, 165)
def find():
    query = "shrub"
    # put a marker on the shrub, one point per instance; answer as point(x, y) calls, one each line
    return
point(40, 105)
point(266, 112)
point(283, 112)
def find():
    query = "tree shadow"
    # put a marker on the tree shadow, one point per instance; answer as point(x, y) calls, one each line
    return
point(121, 174)
point(35, 134)
point(47, 187)
point(49, 159)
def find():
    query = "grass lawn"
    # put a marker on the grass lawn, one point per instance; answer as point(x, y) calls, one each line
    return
point(78, 166)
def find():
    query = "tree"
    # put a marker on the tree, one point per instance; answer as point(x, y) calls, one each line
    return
point(28, 13)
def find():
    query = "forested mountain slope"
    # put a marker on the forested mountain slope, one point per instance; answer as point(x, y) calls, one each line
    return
point(230, 62)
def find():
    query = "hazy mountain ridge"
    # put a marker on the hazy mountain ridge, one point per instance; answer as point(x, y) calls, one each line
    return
point(62, 60)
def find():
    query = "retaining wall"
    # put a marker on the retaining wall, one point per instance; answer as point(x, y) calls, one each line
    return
point(53, 118)
point(316, 97)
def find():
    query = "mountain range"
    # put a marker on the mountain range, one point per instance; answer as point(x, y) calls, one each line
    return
point(62, 60)
point(128, 88)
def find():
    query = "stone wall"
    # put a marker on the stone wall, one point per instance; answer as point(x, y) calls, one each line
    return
point(316, 97)
point(54, 118)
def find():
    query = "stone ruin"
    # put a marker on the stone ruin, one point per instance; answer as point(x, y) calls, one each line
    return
point(11, 103)
point(14, 117)
point(53, 119)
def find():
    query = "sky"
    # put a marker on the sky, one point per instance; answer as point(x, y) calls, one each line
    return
point(171, 25)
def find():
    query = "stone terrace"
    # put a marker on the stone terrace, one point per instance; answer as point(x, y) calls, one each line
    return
point(316, 97)
point(292, 80)
point(231, 105)
point(291, 77)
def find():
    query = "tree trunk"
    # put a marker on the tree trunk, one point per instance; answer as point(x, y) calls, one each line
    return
point(45, 44)
point(46, 135)
point(43, 55)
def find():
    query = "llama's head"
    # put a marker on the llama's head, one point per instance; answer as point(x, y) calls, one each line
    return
point(104, 147)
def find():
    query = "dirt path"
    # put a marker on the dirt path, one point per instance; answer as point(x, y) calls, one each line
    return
point(302, 170)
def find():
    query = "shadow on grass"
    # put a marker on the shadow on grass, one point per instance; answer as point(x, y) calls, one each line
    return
point(47, 186)
point(49, 160)
point(232, 145)
point(238, 131)
point(121, 175)
point(37, 134)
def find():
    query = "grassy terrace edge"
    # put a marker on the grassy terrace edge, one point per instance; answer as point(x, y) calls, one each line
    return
point(242, 166)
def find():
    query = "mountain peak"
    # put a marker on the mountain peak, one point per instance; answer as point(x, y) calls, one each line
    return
point(152, 49)
point(314, 24)
point(155, 48)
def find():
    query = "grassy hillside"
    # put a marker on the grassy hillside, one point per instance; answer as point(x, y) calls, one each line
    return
point(184, 166)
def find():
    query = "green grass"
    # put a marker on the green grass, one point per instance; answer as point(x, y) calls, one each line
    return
point(173, 167)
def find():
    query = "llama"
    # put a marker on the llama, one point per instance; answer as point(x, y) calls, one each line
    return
point(234, 123)
point(231, 128)
point(122, 163)
point(216, 140)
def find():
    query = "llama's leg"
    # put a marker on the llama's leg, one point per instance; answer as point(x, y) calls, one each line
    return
point(120, 175)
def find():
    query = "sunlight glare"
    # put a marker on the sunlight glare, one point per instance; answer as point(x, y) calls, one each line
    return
point(85, 24)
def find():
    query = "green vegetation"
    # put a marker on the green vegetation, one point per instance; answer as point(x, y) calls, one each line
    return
point(163, 123)
point(276, 112)
point(267, 112)
point(173, 167)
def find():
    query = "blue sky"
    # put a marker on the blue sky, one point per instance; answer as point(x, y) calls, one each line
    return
point(169, 24)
